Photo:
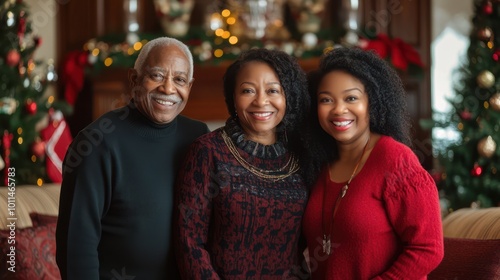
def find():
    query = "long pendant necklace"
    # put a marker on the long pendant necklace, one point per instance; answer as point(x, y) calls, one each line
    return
point(327, 241)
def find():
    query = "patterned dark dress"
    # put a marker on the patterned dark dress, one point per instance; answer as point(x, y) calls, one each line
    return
point(233, 224)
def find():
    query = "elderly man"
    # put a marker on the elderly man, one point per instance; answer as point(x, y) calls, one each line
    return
point(118, 178)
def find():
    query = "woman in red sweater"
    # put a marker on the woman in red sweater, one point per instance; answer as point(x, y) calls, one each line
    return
point(374, 211)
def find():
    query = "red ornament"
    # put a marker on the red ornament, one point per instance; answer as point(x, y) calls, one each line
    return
point(437, 176)
point(12, 58)
point(38, 41)
point(6, 143)
point(496, 55)
point(38, 148)
point(31, 107)
point(21, 28)
point(477, 170)
point(466, 115)
point(488, 8)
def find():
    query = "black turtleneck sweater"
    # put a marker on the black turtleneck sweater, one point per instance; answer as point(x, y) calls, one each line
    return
point(117, 197)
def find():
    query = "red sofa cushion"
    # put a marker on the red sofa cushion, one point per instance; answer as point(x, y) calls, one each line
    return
point(35, 250)
point(38, 219)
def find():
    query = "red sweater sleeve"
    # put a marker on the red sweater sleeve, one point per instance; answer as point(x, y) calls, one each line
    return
point(412, 205)
point(194, 208)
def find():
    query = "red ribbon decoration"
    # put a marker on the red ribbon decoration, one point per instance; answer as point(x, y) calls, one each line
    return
point(6, 143)
point(74, 75)
point(401, 54)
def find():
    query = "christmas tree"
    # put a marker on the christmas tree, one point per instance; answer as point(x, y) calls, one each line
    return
point(470, 167)
point(24, 108)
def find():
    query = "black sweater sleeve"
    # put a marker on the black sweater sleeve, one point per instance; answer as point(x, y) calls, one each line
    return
point(86, 172)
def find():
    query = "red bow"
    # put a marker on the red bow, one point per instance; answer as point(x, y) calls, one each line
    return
point(74, 74)
point(401, 54)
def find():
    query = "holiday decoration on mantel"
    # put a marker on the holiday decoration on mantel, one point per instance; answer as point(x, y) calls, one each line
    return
point(400, 54)
point(23, 106)
point(233, 26)
point(471, 167)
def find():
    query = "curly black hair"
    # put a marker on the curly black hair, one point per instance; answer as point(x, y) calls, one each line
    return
point(294, 82)
point(386, 99)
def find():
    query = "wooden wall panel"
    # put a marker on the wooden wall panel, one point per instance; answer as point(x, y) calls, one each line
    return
point(409, 20)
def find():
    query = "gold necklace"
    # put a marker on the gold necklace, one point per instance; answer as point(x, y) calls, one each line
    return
point(292, 163)
point(327, 241)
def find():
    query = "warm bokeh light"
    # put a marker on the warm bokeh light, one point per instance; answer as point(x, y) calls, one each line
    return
point(233, 40)
point(108, 61)
point(219, 32)
point(137, 46)
point(226, 34)
point(225, 13)
point(231, 20)
point(218, 53)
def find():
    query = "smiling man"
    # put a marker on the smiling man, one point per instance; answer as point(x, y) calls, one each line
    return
point(118, 179)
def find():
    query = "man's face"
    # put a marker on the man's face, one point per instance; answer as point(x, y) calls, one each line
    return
point(161, 91)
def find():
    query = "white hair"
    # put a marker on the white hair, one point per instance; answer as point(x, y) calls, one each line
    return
point(163, 41)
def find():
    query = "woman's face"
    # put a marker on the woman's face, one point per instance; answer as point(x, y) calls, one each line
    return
point(343, 107)
point(260, 102)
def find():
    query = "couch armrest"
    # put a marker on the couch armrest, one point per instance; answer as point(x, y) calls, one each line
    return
point(473, 223)
point(28, 199)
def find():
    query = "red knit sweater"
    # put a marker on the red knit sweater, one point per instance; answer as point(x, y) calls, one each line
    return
point(388, 225)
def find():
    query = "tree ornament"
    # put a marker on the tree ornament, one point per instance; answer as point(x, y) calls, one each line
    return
point(21, 27)
point(485, 34)
point(495, 101)
point(38, 148)
point(6, 144)
point(466, 115)
point(7, 105)
point(486, 147)
point(31, 107)
point(485, 79)
point(38, 41)
point(12, 58)
point(496, 55)
point(11, 19)
point(477, 170)
point(487, 8)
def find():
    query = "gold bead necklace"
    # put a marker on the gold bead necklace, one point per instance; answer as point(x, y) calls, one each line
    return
point(292, 165)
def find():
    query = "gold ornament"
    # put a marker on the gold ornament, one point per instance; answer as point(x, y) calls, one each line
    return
point(495, 101)
point(485, 34)
point(485, 79)
point(486, 147)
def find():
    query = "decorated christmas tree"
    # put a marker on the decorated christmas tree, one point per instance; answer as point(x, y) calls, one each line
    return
point(471, 166)
point(25, 111)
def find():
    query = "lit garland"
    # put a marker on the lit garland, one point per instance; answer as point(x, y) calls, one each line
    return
point(211, 46)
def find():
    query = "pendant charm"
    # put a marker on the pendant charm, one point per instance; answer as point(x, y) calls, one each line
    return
point(327, 245)
point(344, 190)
